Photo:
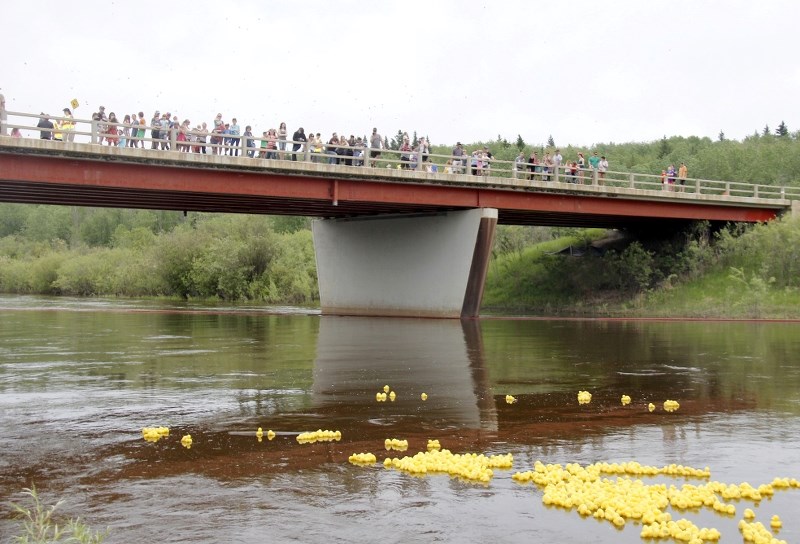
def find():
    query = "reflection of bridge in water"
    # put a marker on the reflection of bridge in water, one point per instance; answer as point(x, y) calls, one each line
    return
point(443, 358)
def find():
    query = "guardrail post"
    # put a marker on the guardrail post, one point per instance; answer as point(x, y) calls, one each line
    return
point(755, 191)
point(556, 169)
point(727, 189)
point(632, 181)
point(594, 176)
point(783, 192)
point(173, 139)
point(697, 186)
point(93, 136)
point(306, 152)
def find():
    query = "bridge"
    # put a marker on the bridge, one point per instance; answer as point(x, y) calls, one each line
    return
point(402, 241)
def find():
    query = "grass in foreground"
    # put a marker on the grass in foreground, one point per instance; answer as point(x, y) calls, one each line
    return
point(40, 524)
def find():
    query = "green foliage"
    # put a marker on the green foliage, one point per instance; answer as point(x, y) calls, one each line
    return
point(749, 292)
point(288, 223)
point(41, 524)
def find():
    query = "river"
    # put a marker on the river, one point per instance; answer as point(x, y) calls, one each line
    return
point(81, 378)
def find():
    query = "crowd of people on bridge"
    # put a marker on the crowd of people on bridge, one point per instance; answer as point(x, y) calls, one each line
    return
point(167, 131)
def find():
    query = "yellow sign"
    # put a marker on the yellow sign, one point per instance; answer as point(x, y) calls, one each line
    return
point(74, 103)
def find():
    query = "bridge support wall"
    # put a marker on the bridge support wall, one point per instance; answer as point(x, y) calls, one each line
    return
point(418, 265)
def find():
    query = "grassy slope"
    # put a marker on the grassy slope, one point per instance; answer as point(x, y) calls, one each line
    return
point(512, 288)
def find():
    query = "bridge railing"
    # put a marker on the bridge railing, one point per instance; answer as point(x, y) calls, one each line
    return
point(467, 168)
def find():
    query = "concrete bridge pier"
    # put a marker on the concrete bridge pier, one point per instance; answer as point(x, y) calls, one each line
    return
point(408, 265)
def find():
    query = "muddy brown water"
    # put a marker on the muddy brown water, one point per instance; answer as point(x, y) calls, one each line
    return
point(79, 379)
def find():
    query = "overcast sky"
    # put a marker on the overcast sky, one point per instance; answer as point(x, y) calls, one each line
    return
point(584, 72)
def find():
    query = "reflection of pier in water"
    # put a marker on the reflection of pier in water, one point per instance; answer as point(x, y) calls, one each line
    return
point(444, 358)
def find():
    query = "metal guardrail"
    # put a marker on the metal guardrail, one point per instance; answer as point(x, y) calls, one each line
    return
point(436, 166)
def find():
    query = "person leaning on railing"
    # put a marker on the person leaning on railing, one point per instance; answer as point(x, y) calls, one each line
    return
point(46, 126)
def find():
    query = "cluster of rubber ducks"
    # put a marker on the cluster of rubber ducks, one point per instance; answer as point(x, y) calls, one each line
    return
point(319, 436)
point(510, 399)
point(395, 444)
point(671, 405)
point(260, 434)
point(363, 459)
point(186, 441)
point(381, 396)
point(584, 397)
point(469, 466)
point(387, 393)
point(433, 445)
point(755, 531)
point(626, 400)
point(626, 498)
point(154, 434)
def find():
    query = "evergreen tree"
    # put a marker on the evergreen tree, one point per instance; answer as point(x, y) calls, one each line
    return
point(551, 142)
point(664, 148)
point(414, 140)
point(397, 140)
point(520, 143)
point(766, 130)
point(782, 130)
point(721, 136)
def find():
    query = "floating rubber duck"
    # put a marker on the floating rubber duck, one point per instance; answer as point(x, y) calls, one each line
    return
point(510, 399)
point(775, 522)
point(671, 405)
point(625, 400)
point(186, 441)
point(386, 388)
point(651, 407)
point(363, 459)
point(395, 444)
point(749, 514)
point(270, 434)
point(259, 434)
point(469, 466)
point(584, 397)
point(319, 436)
point(424, 397)
point(392, 396)
point(154, 434)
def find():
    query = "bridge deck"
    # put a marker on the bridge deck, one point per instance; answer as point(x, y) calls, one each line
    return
point(50, 172)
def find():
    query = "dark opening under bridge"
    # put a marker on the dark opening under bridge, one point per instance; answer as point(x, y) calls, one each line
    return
point(389, 241)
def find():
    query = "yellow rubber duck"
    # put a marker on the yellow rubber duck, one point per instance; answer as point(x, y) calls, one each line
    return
point(510, 399)
point(651, 407)
point(386, 388)
point(625, 400)
point(424, 397)
point(775, 522)
point(270, 434)
point(319, 436)
point(186, 441)
point(584, 397)
point(363, 459)
point(392, 396)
